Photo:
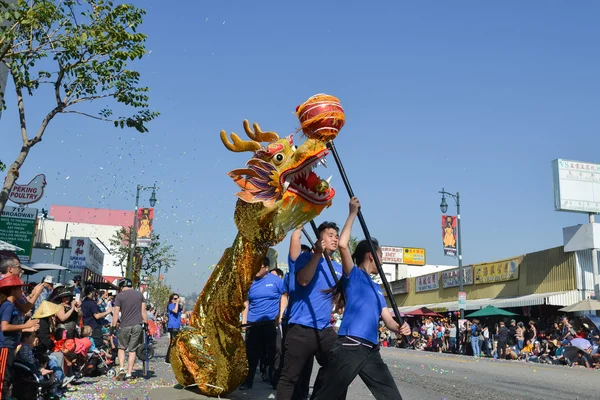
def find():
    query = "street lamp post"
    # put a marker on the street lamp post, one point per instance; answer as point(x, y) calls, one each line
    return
point(444, 208)
point(134, 230)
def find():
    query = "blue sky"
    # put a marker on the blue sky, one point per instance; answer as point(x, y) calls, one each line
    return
point(470, 96)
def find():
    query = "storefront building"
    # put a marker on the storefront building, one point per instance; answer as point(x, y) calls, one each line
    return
point(550, 278)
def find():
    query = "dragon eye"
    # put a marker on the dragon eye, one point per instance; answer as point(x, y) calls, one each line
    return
point(278, 158)
point(294, 147)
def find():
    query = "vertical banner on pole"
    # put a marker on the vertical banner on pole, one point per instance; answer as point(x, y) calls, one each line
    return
point(145, 220)
point(449, 235)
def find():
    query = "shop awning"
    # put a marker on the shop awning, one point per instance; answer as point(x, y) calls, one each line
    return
point(554, 298)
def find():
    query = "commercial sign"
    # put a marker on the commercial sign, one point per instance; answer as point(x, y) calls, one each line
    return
point(145, 219)
point(500, 271)
point(414, 256)
point(17, 227)
point(576, 186)
point(30, 193)
point(392, 255)
point(462, 300)
point(450, 277)
point(427, 282)
point(85, 255)
point(400, 287)
point(449, 235)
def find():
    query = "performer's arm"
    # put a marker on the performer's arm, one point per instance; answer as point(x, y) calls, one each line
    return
point(295, 244)
point(283, 303)
point(347, 262)
point(245, 313)
point(307, 272)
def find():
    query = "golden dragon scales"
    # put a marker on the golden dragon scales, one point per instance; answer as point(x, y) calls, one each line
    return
point(279, 192)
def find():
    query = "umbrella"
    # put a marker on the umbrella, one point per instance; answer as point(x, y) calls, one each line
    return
point(490, 311)
point(583, 344)
point(571, 354)
point(424, 312)
point(594, 320)
point(9, 247)
point(47, 267)
point(584, 305)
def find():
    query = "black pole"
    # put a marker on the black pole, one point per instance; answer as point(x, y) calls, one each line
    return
point(363, 224)
point(329, 264)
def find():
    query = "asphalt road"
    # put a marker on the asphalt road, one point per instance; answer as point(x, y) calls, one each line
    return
point(419, 375)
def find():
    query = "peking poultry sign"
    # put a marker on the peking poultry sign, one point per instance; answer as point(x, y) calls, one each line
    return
point(30, 193)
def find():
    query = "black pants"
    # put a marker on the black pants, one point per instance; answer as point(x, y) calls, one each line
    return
point(501, 349)
point(303, 385)
point(173, 332)
point(301, 344)
point(351, 357)
point(258, 338)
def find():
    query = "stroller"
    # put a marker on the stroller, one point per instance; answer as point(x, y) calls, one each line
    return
point(28, 385)
point(89, 362)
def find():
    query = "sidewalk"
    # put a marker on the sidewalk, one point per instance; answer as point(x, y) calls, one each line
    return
point(160, 375)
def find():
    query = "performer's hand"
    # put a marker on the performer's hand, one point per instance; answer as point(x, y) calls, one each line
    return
point(405, 329)
point(319, 246)
point(354, 206)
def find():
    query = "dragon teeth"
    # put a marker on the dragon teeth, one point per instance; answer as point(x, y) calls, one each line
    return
point(328, 180)
point(285, 186)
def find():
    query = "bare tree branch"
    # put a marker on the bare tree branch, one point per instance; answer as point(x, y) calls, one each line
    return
point(87, 115)
point(22, 119)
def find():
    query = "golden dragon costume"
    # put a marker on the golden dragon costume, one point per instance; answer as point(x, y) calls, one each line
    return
point(279, 192)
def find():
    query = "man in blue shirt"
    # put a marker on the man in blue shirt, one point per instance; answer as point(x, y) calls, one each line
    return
point(296, 249)
point(260, 312)
point(310, 332)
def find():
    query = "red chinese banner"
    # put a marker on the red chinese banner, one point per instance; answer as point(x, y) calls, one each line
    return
point(145, 218)
point(449, 235)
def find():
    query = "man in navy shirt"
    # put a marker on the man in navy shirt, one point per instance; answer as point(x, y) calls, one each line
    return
point(310, 332)
point(261, 311)
point(92, 316)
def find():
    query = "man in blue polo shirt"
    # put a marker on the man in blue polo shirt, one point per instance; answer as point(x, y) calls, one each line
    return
point(296, 249)
point(310, 332)
point(260, 312)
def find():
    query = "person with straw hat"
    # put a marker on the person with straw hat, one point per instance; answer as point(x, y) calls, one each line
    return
point(44, 314)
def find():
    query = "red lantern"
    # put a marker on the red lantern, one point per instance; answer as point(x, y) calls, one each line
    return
point(321, 117)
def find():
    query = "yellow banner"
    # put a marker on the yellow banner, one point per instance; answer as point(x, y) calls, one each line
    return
point(414, 256)
point(499, 271)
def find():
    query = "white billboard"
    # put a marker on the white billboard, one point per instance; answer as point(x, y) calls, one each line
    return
point(85, 254)
point(576, 186)
point(392, 255)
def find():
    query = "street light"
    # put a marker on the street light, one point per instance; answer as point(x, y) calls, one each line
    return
point(444, 208)
point(134, 232)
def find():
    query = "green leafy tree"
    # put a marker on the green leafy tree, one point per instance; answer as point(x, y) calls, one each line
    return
point(147, 261)
point(158, 292)
point(78, 51)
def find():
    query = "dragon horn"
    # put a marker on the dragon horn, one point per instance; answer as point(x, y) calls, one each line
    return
point(238, 144)
point(258, 135)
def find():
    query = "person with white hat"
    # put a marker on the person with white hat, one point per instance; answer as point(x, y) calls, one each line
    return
point(48, 283)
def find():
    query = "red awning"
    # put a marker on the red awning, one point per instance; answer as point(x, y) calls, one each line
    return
point(424, 312)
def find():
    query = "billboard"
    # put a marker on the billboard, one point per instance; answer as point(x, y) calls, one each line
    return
point(576, 186)
point(17, 227)
point(450, 278)
point(427, 282)
point(449, 235)
point(392, 255)
point(414, 256)
point(499, 271)
point(145, 219)
point(85, 255)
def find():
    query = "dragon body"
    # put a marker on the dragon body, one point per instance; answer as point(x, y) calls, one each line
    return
point(279, 191)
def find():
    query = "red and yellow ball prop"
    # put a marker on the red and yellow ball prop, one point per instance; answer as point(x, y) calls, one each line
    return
point(321, 117)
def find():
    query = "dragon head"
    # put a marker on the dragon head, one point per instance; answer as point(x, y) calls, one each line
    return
point(280, 191)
